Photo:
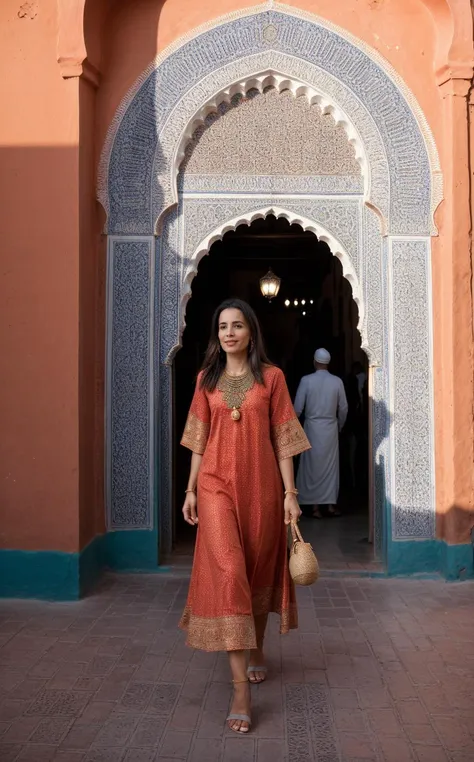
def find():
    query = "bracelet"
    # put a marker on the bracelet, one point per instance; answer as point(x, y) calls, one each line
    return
point(190, 490)
point(291, 492)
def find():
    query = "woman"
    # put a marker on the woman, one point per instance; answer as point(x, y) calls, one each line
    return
point(243, 433)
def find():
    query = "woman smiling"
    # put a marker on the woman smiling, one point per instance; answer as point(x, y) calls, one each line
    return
point(243, 432)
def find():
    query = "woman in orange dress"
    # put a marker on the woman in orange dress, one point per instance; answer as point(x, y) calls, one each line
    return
point(243, 432)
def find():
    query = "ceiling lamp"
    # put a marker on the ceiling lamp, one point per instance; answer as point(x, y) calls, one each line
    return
point(270, 285)
point(287, 303)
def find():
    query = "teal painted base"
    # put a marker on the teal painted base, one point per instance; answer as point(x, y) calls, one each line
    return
point(46, 574)
point(458, 562)
point(408, 557)
point(52, 575)
point(130, 550)
point(56, 576)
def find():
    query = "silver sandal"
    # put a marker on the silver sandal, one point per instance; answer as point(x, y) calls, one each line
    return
point(241, 717)
point(251, 670)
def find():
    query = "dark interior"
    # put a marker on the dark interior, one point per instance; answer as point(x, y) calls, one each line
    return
point(329, 318)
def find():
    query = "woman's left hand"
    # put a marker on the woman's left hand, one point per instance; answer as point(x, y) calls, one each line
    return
point(292, 509)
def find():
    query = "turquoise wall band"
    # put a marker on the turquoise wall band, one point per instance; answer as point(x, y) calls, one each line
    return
point(57, 576)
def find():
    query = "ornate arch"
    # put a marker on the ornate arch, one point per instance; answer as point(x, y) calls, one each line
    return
point(138, 169)
point(321, 233)
point(380, 229)
point(254, 72)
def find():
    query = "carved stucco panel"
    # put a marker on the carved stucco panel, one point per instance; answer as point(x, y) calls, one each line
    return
point(201, 216)
point(331, 91)
point(128, 387)
point(370, 269)
point(197, 218)
point(126, 170)
point(308, 185)
point(413, 507)
point(269, 133)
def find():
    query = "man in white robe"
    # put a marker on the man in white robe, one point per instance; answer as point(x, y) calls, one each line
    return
point(322, 399)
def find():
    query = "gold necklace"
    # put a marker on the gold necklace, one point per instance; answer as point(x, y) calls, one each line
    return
point(234, 390)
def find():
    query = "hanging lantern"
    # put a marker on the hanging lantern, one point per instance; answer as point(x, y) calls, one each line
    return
point(270, 285)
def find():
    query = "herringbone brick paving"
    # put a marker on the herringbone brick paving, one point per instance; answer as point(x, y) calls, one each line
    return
point(378, 670)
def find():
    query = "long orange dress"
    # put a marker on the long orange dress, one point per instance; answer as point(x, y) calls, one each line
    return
point(240, 562)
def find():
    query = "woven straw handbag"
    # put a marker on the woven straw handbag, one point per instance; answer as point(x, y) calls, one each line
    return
point(304, 567)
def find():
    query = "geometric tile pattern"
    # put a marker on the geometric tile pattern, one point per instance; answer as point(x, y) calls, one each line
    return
point(378, 671)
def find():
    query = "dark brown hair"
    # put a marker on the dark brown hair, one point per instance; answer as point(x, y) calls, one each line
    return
point(215, 358)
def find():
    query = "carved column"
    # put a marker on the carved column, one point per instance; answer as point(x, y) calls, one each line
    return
point(130, 318)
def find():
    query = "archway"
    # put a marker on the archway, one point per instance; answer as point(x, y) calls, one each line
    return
point(314, 307)
point(379, 223)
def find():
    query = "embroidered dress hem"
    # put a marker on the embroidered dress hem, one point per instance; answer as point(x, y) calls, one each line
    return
point(229, 633)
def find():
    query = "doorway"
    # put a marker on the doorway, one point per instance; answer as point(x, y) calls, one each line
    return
point(314, 308)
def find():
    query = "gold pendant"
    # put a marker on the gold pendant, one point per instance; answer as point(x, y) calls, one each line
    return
point(235, 415)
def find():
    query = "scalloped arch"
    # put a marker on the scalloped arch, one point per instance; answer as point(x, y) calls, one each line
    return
point(317, 86)
point(280, 83)
point(321, 233)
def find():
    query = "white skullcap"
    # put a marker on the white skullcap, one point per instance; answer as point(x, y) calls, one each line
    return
point(322, 356)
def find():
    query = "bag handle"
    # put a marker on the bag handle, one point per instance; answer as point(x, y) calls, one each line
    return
point(295, 533)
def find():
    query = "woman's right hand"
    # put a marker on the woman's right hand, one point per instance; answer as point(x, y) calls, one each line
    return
point(190, 509)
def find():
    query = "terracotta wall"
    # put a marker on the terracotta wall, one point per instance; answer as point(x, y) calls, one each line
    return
point(39, 285)
point(53, 253)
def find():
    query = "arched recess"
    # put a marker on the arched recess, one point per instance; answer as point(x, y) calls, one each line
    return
point(337, 249)
point(386, 251)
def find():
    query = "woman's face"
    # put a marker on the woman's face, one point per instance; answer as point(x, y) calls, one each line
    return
point(234, 332)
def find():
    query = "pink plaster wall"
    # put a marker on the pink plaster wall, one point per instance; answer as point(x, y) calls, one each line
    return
point(53, 254)
point(39, 467)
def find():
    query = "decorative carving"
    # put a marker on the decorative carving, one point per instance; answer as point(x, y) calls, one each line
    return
point(380, 99)
point(270, 34)
point(269, 134)
point(128, 387)
point(326, 217)
point(370, 275)
point(398, 173)
point(413, 510)
point(283, 185)
point(188, 236)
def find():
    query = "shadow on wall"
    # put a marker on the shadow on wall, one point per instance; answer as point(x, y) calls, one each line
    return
point(412, 556)
point(52, 300)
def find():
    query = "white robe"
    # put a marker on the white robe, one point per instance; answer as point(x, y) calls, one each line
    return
point(322, 398)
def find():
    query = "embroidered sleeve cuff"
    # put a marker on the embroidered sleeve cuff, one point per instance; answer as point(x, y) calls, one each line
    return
point(195, 434)
point(289, 439)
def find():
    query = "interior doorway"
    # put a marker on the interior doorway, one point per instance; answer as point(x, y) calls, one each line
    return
point(314, 308)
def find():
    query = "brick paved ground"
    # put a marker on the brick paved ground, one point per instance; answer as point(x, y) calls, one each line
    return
point(379, 670)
